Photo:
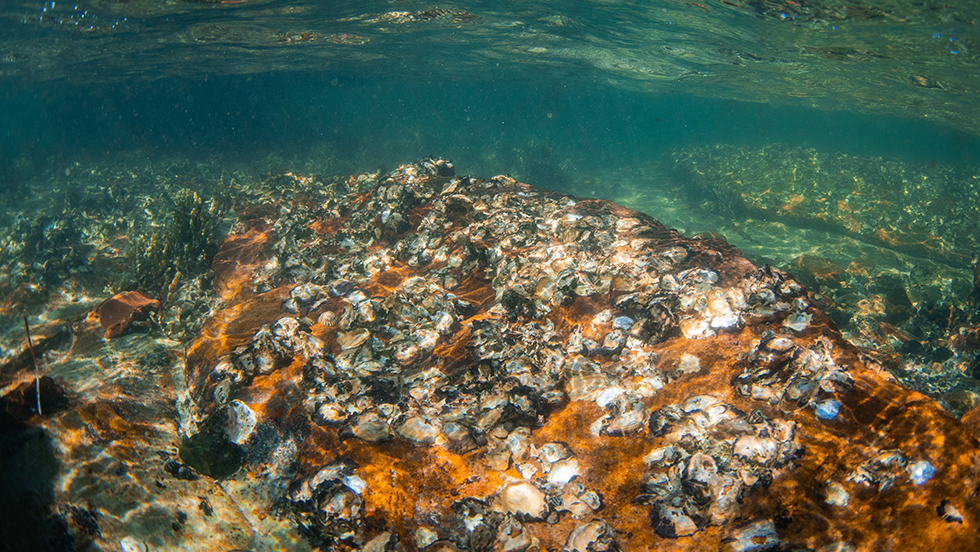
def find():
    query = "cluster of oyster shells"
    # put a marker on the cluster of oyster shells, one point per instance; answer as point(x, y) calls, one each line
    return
point(330, 501)
point(790, 377)
point(270, 348)
point(711, 455)
point(379, 379)
point(329, 504)
point(552, 481)
point(445, 312)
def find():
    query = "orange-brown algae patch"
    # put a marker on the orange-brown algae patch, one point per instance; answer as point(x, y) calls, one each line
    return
point(885, 417)
point(110, 421)
point(385, 282)
point(276, 395)
point(234, 326)
point(474, 289)
point(327, 226)
point(239, 257)
point(612, 466)
point(792, 204)
point(405, 482)
point(454, 353)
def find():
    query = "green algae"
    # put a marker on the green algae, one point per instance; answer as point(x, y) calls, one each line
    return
point(184, 246)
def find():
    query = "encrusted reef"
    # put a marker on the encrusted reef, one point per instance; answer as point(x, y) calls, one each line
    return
point(891, 267)
point(422, 361)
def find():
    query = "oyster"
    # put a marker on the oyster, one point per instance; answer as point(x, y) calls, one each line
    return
point(754, 537)
point(836, 494)
point(522, 499)
point(596, 536)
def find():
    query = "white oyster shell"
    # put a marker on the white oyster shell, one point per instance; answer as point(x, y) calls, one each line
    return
point(522, 498)
point(755, 448)
point(836, 495)
point(241, 422)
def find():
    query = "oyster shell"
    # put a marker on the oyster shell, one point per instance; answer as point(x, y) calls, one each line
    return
point(595, 536)
point(522, 499)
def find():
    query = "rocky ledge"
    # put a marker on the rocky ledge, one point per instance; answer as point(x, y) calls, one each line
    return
point(422, 361)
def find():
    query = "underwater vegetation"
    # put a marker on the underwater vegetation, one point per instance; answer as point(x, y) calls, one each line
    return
point(184, 246)
point(39, 254)
point(893, 203)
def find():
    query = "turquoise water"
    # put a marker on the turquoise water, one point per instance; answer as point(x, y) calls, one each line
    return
point(576, 131)
point(586, 98)
point(597, 84)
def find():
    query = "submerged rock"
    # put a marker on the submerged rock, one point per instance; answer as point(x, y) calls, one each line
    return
point(212, 451)
point(493, 306)
point(419, 359)
point(118, 312)
point(898, 204)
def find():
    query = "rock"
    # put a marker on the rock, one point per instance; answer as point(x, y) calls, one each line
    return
point(816, 271)
point(20, 403)
point(556, 331)
point(212, 451)
point(116, 313)
point(536, 282)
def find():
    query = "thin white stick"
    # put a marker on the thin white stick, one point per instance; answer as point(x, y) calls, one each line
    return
point(37, 375)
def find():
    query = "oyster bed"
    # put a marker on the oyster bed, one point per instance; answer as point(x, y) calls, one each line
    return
point(900, 286)
point(422, 361)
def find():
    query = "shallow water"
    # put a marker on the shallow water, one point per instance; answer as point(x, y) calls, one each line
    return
point(108, 108)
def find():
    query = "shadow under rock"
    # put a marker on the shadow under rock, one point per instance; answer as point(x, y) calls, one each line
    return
point(29, 519)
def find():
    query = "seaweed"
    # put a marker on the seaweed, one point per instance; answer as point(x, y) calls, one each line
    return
point(184, 246)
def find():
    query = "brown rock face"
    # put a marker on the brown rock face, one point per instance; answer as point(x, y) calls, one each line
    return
point(116, 313)
point(456, 363)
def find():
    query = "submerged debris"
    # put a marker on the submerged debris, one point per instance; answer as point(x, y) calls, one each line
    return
point(116, 313)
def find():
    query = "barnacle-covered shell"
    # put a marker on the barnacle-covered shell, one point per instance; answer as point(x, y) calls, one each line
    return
point(754, 537)
point(595, 536)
